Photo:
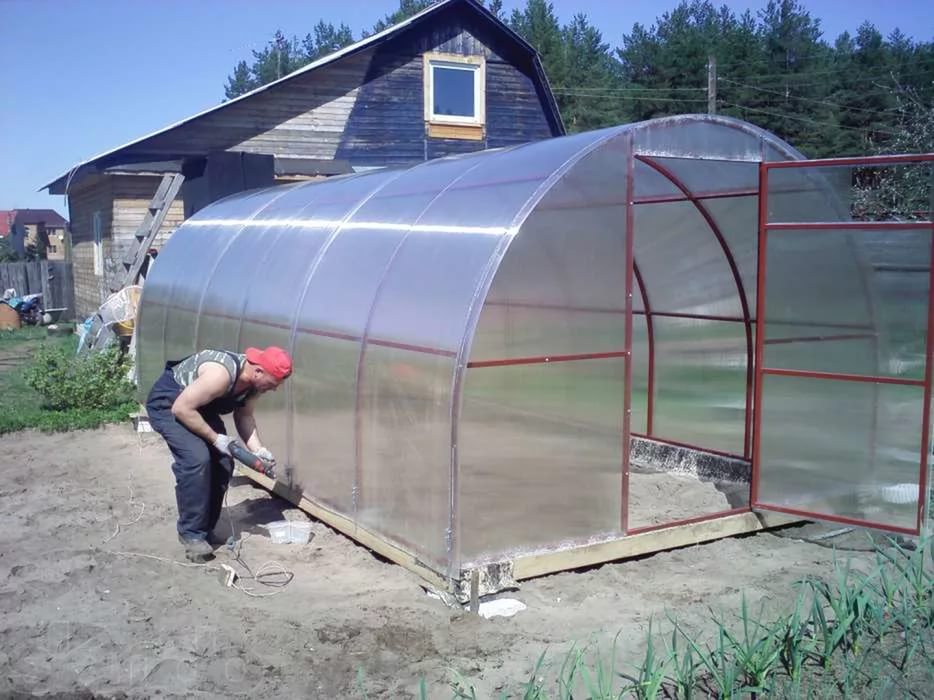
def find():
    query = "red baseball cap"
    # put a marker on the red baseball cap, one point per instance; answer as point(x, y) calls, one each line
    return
point(273, 360)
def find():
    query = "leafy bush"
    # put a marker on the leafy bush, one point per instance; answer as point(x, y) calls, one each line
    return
point(66, 382)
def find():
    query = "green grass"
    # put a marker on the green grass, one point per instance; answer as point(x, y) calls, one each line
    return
point(21, 407)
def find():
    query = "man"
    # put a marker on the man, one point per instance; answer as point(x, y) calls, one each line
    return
point(185, 407)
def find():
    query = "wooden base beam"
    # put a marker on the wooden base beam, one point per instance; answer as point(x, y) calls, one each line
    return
point(479, 579)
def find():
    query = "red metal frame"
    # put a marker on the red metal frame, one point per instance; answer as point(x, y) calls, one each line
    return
point(650, 333)
point(854, 160)
point(740, 290)
point(760, 334)
point(867, 378)
point(546, 359)
point(849, 225)
point(627, 377)
point(926, 410)
point(670, 198)
point(764, 227)
point(820, 338)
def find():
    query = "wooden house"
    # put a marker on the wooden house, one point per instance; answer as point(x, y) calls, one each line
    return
point(451, 79)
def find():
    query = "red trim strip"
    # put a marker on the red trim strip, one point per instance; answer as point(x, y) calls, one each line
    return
point(650, 333)
point(697, 448)
point(689, 521)
point(865, 378)
point(760, 335)
point(669, 198)
point(699, 317)
point(545, 359)
point(820, 338)
point(555, 307)
point(926, 411)
point(857, 160)
point(630, 234)
point(813, 515)
point(849, 225)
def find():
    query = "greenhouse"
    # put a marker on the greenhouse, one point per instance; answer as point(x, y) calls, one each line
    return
point(589, 347)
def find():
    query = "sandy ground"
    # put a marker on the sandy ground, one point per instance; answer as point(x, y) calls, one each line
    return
point(79, 613)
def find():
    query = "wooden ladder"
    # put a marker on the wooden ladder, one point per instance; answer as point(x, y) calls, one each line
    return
point(137, 253)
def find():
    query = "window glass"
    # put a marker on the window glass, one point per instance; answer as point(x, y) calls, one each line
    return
point(453, 90)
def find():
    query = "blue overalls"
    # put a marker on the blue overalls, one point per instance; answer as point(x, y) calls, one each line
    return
point(201, 472)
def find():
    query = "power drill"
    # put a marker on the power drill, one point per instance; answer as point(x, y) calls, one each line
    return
point(243, 455)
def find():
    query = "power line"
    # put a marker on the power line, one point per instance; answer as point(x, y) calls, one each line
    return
point(809, 99)
point(648, 98)
point(805, 119)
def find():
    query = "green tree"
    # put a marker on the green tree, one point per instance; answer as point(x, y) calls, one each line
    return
point(406, 9)
point(7, 253)
point(282, 55)
point(590, 96)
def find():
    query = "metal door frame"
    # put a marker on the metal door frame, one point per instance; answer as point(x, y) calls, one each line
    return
point(764, 227)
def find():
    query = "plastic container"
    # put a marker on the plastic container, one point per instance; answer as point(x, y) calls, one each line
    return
point(289, 532)
point(300, 532)
point(279, 531)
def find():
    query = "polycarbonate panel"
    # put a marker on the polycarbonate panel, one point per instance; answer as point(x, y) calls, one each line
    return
point(696, 136)
point(230, 276)
point(405, 447)
point(700, 383)
point(847, 301)
point(339, 290)
point(838, 448)
point(560, 290)
point(649, 183)
point(738, 221)
point(705, 178)
point(809, 194)
point(683, 266)
point(540, 453)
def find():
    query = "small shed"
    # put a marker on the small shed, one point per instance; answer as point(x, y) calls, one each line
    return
point(541, 357)
point(451, 79)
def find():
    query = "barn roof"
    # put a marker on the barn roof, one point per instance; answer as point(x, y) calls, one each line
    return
point(135, 151)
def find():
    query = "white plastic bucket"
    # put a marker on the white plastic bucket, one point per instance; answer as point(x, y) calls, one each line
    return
point(279, 531)
point(289, 532)
point(300, 532)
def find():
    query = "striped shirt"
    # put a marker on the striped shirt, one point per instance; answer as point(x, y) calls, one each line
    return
point(186, 371)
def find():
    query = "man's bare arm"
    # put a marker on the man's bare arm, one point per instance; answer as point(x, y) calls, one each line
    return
point(246, 425)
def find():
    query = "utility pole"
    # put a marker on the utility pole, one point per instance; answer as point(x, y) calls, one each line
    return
point(711, 84)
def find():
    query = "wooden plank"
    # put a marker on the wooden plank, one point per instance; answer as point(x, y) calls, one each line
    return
point(143, 243)
point(44, 284)
point(532, 565)
point(473, 132)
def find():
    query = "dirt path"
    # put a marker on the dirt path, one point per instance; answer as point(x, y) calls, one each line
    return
point(77, 615)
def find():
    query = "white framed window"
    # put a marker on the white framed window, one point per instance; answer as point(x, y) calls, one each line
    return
point(455, 89)
point(97, 236)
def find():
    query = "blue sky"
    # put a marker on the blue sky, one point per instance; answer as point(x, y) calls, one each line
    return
point(78, 77)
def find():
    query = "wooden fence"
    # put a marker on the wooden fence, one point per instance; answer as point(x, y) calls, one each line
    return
point(53, 279)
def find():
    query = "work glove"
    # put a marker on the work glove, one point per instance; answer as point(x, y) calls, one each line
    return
point(266, 456)
point(222, 443)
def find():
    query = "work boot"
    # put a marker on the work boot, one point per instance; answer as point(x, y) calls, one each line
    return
point(196, 550)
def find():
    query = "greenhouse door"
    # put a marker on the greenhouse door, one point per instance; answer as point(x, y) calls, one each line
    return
point(843, 341)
